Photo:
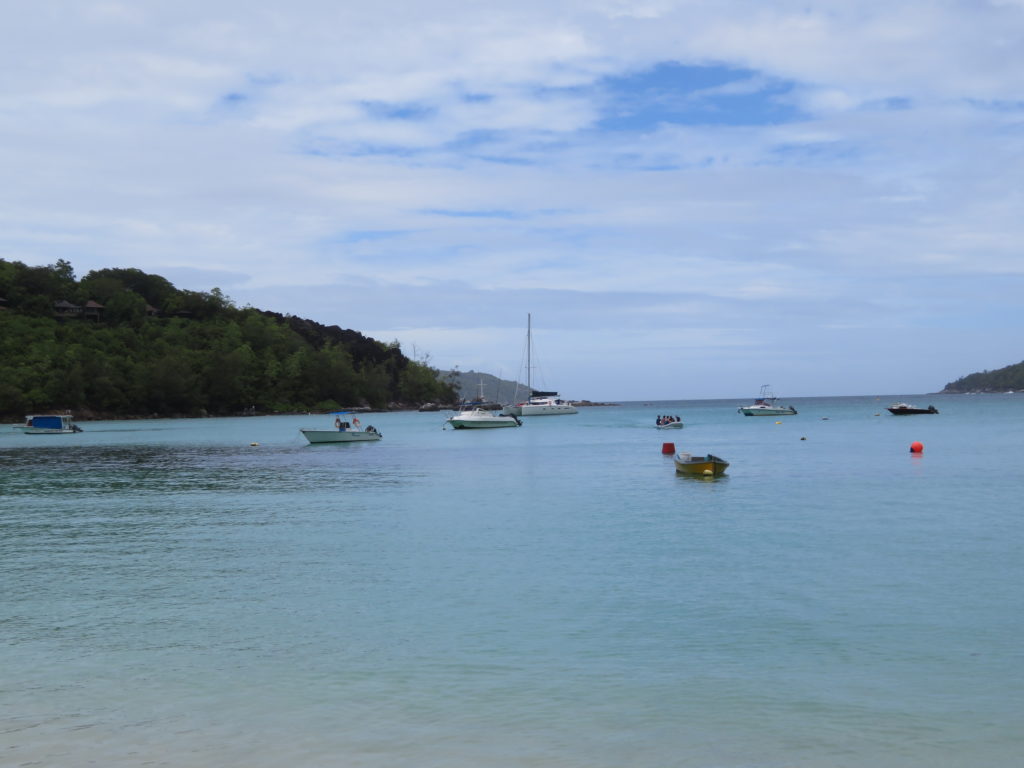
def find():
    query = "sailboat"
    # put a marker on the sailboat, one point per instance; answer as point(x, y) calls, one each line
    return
point(539, 403)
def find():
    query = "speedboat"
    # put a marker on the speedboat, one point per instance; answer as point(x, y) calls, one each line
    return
point(765, 405)
point(669, 425)
point(700, 466)
point(345, 431)
point(903, 409)
point(481, 418)
point(49, 424)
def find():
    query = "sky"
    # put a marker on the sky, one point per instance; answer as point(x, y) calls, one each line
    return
point(690, 197)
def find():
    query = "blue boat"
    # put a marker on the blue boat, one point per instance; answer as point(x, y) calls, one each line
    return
point(48, 424)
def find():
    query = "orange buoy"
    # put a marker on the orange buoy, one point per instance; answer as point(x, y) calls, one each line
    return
point(668, 448)
point(916, 447)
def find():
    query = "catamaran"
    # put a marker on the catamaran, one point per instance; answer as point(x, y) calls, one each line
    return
point(539, 403)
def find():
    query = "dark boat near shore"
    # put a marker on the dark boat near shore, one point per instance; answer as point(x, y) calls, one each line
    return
point(902, 409)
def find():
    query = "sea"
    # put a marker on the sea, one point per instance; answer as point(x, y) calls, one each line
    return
point(216, 592)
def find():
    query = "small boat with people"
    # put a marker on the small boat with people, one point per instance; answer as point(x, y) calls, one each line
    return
point(668, 422)
point(765, 405)
point(700, 466)
point(48, 424)
point(481, 418)
point(345, 431)
point(904, 409)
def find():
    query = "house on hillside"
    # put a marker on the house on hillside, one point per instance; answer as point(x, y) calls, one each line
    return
point(65, 308)
point(93, 310)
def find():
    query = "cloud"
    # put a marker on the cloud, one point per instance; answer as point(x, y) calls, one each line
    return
point(657, 168)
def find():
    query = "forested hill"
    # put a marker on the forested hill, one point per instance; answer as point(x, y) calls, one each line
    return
point(1001, 380)
point(122, 343)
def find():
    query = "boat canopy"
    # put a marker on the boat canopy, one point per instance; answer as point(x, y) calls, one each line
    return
point(538, 393)
point(48, 422)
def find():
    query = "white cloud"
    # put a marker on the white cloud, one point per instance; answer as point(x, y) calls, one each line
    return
point(254, 139)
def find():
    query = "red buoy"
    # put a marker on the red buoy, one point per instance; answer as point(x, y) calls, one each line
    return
point(916, 447)
point(668, 448)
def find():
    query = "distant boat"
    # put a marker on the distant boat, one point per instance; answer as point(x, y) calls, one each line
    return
point(481, 418)
point(902, 409)
point(539, 403)
point(344, 431)
point(700, 466)
point(49, 424)
point(669, 425)
point(480, 401)
point(765, 405)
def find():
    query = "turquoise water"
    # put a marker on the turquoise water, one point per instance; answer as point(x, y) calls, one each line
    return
point(546, 596)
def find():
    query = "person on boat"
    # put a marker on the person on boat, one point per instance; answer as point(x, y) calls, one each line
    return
point(339, 423)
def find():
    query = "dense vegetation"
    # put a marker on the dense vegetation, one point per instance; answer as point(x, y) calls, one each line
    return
point(1002, 380)
point(143, 347)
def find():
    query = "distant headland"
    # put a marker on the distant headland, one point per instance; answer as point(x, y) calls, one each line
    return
point(1010, 378)
point(121, 343)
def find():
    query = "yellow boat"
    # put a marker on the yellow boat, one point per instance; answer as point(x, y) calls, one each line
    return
point(700, 466)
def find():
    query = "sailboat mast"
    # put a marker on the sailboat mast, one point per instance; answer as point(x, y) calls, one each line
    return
point(529, 366)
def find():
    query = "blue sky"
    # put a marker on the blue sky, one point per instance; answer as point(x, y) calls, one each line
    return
point(691, 198)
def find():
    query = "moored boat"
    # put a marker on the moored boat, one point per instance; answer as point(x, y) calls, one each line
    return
point(344, 431)
point(700, 466)
point(481, 418)
point(765, 405)
point(539, 403)
point(48, 424)
point(903, 409)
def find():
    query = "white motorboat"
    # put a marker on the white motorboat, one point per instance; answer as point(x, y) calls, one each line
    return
point(49, 424)
point(669, 425)
point(765, 405)
point(345, 431)
point(538, 403)
point(481, 418)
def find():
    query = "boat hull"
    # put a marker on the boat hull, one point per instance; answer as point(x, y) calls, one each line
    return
point(496, 423)
point(553, 409)
point(910, 411)
point(673, 425)
point(700, 466)
point(323, 436)
point(754, 410)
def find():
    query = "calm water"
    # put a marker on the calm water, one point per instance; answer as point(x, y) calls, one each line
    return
point(549, 596)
